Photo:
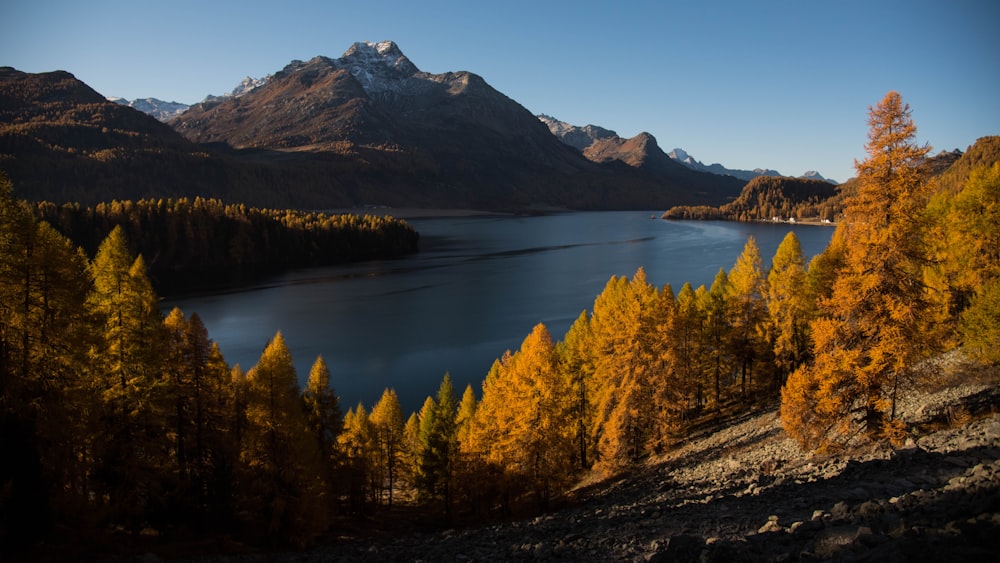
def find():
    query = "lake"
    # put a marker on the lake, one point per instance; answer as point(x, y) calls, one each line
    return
point(475, 289)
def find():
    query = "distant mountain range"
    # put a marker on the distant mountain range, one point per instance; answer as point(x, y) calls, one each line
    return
point(597, 143)
point(366, 128)
point(163, 111)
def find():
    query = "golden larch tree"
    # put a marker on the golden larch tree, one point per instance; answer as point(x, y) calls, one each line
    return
point(790, 308)
point(871, 332)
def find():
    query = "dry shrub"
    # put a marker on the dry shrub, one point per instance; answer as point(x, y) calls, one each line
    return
point(896, 432)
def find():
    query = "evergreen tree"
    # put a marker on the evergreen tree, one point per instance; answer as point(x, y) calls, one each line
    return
point(438, 446)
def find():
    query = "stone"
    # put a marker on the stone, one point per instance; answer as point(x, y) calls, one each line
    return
point(770, 526)
point(840, 512)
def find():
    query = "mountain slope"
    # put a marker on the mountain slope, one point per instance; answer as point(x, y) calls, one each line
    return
point(458, 140)
point(366, 128)
point(61, 140)
point(641, 153)
point(744, 491)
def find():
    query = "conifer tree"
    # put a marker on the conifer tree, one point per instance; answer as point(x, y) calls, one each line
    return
point(322, 408)
point(531, 411)
point(825, 267)
point(323, 419)
point(438, 445)
point(790, 306)
point(412, 436)
point(717, 327)
point(276, 449)
point(178, 369)
point(576, 364)
point(388, 425)
point(686, 338)
point(967, 252)
point(747, 288)
point(44, 400)
point(672, 388)
point(871, 331)
point(127, 364)
point(357, 441)
point(627, 351)
point(464, 419)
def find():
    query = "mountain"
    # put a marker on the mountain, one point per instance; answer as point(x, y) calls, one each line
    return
point(598, 144)
point(450, 138)
point(577, 137)
point(248, 84)
point(642, 152)
point(680, 155)
point(366, 128)
point(163, 111)
point(60, 140)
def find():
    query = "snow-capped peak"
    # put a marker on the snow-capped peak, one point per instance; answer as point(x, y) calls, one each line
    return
point(377, 66)
point(679, 154)
point(248, 84)
point(373, 55)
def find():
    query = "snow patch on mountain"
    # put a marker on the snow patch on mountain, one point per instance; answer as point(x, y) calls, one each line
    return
point(248, 84)
point(161, 110)
point(379, 67)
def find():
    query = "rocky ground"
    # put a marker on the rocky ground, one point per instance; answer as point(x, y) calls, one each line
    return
point(747, 493)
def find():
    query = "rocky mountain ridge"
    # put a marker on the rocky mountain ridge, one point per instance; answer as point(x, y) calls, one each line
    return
point(597, 141)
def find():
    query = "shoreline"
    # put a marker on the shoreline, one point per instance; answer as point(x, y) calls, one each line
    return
point(415, 212)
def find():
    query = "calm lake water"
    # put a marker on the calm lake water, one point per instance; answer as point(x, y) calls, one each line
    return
point(476, 289)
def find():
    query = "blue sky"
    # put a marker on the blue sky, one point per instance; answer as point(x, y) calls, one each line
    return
point(782, 85)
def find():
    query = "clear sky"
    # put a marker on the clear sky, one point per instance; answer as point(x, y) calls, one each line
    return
point(775, 84)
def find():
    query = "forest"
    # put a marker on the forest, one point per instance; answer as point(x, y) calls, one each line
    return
point(121, 425)
point(768, 197)
point(200, 243)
